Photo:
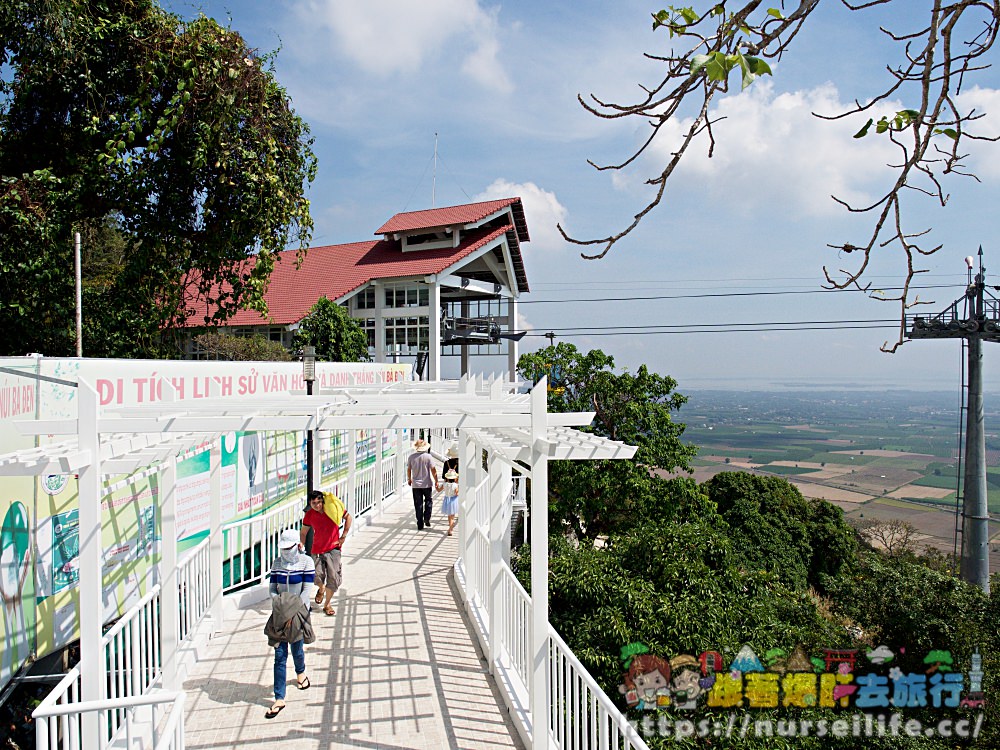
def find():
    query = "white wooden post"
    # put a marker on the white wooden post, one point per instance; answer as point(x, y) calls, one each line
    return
point(92, 663)
point(352, 472)
point(499, 486)
point(169, 600)
point(379, 482)
point(215, 535)
point(402, 453)
point(513, 347)
point(315, 462)
point(434, 352)
point(380, 354)
point(470, 460)
point(539, 567)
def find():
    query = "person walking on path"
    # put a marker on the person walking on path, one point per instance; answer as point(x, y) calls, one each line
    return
point(450, 505)
point(289, 627)
point(326, 546)
point(451, 462)
point(422, 478)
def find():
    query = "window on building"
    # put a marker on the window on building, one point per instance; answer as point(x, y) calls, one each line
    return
point(407, 335)
point(365, 300)
point(368, 326)
point(407, 296)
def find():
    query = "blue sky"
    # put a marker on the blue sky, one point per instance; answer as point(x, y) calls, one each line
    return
point(498, 83)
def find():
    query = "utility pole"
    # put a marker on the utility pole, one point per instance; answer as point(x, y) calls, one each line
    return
point(974, 317)
point(551, 336)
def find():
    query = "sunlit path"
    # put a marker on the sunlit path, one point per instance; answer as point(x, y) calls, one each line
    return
point(396, 667)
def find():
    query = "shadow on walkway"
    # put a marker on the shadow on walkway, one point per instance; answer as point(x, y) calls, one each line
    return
point(398, 666)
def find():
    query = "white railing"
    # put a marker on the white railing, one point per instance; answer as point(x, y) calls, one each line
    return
point(131, 651)
point(250, 545)
point(581, 716)
point(194, 592)
point(388, 465)
point(58, 726)
point(364, 491)
point(515, 625)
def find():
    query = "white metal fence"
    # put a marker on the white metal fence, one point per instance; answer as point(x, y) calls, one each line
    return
point(131, 651)
point(581, 716)
point(58, 725)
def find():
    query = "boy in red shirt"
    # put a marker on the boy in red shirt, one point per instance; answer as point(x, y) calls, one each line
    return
point(327, 543)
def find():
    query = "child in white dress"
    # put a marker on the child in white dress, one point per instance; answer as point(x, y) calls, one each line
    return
point(450, 505)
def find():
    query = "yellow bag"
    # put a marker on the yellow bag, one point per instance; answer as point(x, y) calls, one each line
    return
point(333, 507)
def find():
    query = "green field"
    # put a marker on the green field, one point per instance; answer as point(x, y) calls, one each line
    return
point(838, 430)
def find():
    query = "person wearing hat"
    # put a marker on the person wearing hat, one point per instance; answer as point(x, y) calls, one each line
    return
point(450, 505)
point(292, 572)
point(422, 478)
point(451, 461)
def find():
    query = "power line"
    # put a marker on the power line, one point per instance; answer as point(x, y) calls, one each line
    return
point(768, 280)
point(770, 329)
point(890, 321)
point(633, 298)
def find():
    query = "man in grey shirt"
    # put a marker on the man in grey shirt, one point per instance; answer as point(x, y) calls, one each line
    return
point(422, 477)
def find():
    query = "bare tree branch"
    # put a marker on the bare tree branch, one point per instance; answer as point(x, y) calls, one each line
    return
point(951, 43)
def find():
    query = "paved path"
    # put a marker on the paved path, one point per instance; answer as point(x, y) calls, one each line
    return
point(397, 667)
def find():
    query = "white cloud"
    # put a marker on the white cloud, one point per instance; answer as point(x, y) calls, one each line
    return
point(542, 211)
point(770, 149)
point(982, 155)
point(389, 38)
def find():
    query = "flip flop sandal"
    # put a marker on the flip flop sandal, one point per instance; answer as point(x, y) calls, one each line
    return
point(274, 710)
point(304, 685)
point(329, 611)
point(319, 596)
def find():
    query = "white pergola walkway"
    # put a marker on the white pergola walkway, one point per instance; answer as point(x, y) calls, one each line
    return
point(396, 667)
point(555, 702)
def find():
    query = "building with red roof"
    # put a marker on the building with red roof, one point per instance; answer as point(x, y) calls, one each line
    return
point(441, 280)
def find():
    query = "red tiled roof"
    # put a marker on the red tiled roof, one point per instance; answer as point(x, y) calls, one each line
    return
point(469, 213)
point(334, 271)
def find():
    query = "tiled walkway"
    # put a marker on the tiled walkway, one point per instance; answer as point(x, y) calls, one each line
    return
point(396, 667)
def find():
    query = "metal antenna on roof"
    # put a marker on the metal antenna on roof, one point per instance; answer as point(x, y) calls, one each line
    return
point(435, 174)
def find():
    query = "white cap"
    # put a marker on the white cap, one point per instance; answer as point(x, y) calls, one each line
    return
point(288, 538)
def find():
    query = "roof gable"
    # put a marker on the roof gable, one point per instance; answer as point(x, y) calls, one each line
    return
point(464, 216)
point(337, 271)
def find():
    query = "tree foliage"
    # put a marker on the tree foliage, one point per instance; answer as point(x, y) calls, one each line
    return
point(335, 334)
point(774, 528)
point(173, 134)
point(942, 52)
point(698, 577)
point(593, 497)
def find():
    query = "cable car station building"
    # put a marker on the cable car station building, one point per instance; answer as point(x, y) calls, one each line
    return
point(443, 280)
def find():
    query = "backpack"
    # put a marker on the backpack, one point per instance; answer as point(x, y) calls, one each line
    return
point(334, 508)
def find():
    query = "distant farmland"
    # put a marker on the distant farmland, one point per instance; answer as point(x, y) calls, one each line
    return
point(873, 454)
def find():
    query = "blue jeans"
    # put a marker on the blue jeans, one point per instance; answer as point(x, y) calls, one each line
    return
point(281, 664)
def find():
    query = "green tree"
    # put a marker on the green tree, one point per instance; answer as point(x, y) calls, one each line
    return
point(242, 348)
point(335, 334)
point(594, 498)
point(939, 47)
point(773, 527)
point(174, 135)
